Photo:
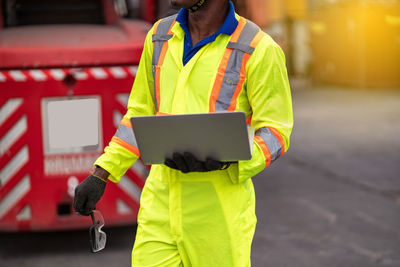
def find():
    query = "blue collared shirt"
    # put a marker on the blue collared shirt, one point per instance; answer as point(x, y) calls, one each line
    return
point(228, 27)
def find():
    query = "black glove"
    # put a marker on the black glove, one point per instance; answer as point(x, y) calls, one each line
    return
point(187, 162)
point(88, 193)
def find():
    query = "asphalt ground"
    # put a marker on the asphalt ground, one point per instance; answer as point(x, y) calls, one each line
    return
point(332, 200)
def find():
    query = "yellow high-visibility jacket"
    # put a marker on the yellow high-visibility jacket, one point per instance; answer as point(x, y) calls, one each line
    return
point(164, 85)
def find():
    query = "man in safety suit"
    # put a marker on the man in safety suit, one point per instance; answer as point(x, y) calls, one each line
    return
point(204, 59)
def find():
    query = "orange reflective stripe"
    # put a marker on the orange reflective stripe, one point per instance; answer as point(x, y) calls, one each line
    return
point(170, 28)
point(245, 58)
point(163, 53)
point(156, 26)
point(265, 150)
point(248, 121)
point(222, 66)
point(158, 72)
point(165, 47)
point(219, 79)
point(126, 122)
point(278, 136)
point(226, 90)
point(257, 39)
point(157, 84)
point(238, 30)
point(232, 106)
point(125, 145)
point(239, 86)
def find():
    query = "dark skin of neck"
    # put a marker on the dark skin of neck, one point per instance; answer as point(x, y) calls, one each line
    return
point(207, 20)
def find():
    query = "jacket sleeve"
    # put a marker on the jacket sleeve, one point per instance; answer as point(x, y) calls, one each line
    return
point(269, 96)
point(122, 151)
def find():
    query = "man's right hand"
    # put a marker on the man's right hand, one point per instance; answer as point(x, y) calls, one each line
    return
point(88, 193)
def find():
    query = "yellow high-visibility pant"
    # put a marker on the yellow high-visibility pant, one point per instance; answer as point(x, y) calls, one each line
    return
point(196, 219)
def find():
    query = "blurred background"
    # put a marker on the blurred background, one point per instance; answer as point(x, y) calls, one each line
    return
point(66, 69)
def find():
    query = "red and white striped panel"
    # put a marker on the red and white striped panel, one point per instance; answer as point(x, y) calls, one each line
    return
point(42, 75)
point(9, 197)
point(130, 186)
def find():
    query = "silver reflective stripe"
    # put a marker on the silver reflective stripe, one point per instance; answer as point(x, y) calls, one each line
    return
point(248, 33)
point(159, 38)
point(153, 70)
point(244, 48)
point(271, 141)
point(126, 134)
point(232, 72)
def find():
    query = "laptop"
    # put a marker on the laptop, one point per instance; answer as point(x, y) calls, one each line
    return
point(223, 136)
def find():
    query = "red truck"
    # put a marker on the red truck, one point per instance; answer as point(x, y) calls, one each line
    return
point(66, 70)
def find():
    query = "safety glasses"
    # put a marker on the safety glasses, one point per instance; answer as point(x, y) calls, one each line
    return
point(97, 236)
